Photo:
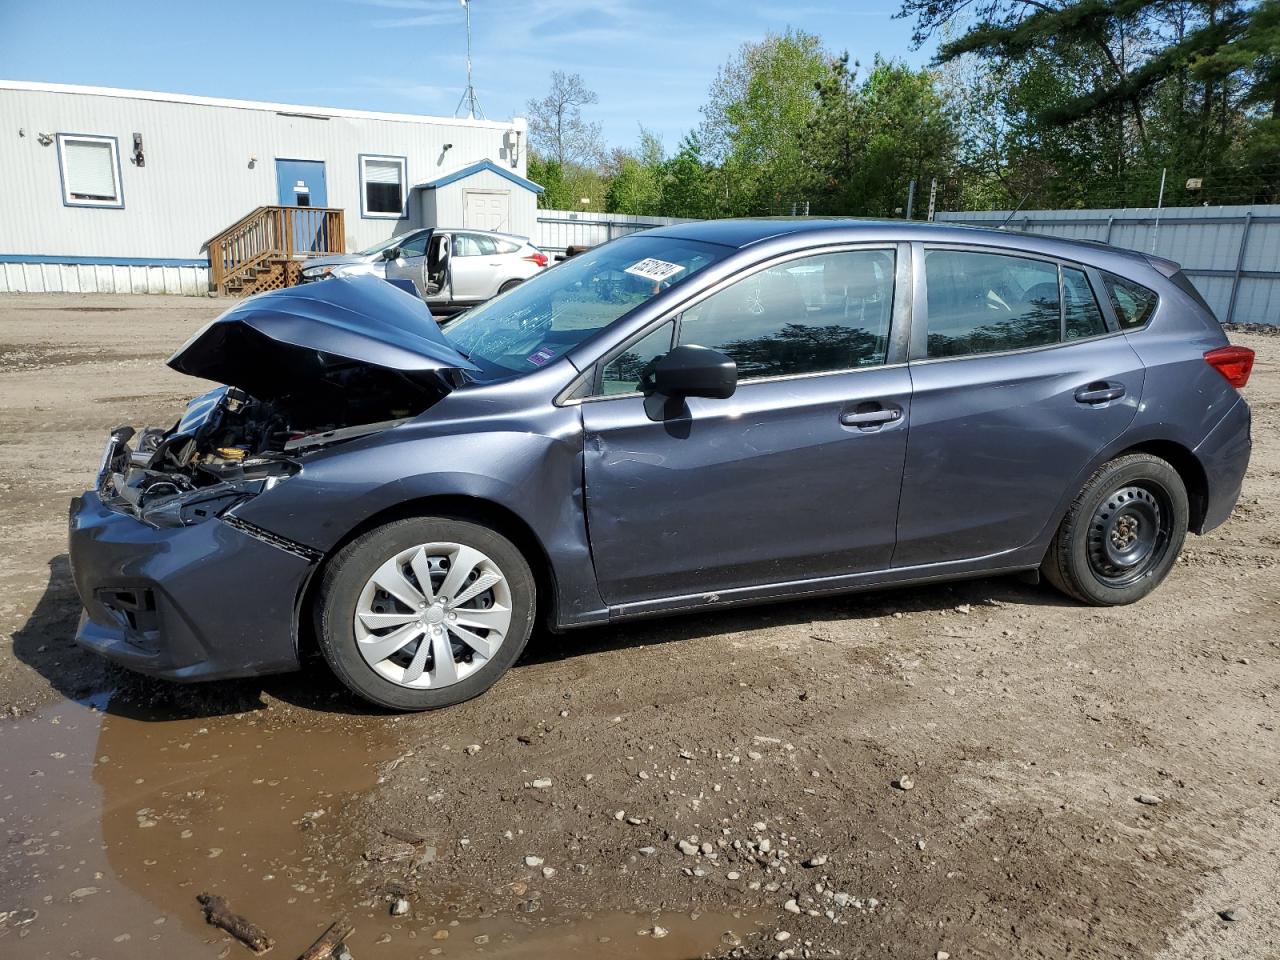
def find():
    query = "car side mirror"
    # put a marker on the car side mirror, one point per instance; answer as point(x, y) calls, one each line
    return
point(391, 253)
point(693, 371)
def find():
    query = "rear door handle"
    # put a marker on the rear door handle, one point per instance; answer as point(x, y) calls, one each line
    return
point(870, 418)
point(1099, 393)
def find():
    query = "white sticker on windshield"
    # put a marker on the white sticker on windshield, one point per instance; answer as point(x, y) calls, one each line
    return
point(654, 269)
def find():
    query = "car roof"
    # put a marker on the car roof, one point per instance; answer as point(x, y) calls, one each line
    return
point(487, 233)
point(741, 233)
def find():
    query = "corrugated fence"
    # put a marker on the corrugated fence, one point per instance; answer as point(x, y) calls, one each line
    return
point(558, 229)
point(1231, 254)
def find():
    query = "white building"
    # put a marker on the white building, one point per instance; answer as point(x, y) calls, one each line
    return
point(121, 190)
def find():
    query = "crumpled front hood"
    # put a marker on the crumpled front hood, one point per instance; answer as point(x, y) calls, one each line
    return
point(277, 343)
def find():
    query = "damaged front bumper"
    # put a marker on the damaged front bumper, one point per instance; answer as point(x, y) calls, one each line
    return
point(211, 600)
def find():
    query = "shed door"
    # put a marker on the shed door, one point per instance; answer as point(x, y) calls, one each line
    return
point(487, 209)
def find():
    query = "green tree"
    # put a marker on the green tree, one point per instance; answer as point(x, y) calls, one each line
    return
point(1105, 95)
point(556, 191)
point(755, 120)
point(635, 186)
point(867, 140)
point(689, 183)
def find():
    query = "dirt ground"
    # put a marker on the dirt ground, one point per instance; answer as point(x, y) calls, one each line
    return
point(545, 819)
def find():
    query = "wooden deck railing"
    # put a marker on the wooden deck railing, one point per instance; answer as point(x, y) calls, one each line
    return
point(270, 235)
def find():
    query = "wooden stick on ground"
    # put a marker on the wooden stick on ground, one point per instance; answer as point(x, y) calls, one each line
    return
point(218, 912)
point(404, 836)
point(329, 941)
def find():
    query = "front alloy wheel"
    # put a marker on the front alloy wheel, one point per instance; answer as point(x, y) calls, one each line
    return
point(424, 613)
point(432, 615)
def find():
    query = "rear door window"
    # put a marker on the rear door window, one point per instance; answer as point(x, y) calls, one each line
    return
point(1133, 302)
point(987, 303)
point(473, 245)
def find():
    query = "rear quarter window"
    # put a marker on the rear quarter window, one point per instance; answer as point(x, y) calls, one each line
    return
point(1133, 302)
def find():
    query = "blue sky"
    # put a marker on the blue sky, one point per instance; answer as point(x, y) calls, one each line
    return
point(650, 61)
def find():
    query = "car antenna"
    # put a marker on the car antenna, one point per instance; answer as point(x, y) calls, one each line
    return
point(1014, 212)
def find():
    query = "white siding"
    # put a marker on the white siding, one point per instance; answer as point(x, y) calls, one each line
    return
point(208, 163)
point(99, 278)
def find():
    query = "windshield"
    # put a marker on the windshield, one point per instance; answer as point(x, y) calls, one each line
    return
point(543, 318)
point(386, 244)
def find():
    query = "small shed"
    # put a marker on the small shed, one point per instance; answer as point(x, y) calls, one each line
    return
point(481, 196)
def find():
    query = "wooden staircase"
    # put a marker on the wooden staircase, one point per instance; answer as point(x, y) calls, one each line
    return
point(265, 250)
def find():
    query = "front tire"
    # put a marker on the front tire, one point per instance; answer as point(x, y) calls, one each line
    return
point(1122, 534)
point(425, 612)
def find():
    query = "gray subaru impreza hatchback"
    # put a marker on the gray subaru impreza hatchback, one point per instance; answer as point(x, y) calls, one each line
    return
point(686, 418)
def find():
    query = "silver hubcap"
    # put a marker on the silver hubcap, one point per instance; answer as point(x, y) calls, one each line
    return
point(433, 615)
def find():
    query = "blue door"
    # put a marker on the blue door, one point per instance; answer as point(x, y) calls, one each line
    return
point(300, 183)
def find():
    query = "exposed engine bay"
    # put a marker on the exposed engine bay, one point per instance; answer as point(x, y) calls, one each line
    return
point(232, 444)
point(305, 367)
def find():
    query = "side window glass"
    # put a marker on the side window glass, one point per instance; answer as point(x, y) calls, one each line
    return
point(464, 245)
point(1082, 314)
point(416, 247)
point(625, 373)
point(985, 303)
point(1134, 303)
point(485, 245)
point(817, 314)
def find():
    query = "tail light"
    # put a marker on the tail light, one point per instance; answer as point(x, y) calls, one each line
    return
point(539, 258)
point(1234, 363)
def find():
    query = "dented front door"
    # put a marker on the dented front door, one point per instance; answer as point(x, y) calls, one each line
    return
point(780, 482)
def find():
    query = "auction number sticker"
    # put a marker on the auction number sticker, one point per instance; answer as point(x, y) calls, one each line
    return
point(653, 269)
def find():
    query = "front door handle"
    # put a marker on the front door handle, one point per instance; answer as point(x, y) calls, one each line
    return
point(870, 418)
point(1100, 392)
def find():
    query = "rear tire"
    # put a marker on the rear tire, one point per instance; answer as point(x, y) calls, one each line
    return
point(404, 648)
point(509, 285)
point(1122, 534)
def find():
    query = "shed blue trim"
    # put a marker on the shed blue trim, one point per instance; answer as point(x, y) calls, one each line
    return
point(475, 168)
point(102, 261)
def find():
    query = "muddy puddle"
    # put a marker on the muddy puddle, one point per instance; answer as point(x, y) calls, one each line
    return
point(112, 825)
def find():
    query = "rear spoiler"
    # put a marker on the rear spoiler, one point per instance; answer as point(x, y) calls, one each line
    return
point(1166, 267)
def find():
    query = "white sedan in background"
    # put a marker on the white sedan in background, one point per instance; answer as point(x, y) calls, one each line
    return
point(450, 269)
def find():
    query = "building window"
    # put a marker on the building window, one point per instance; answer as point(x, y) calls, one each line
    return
point(382, 187)
point(90, 171)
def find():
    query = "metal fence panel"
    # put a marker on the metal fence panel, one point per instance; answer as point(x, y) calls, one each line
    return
point(1231, 254)
point(558, 229)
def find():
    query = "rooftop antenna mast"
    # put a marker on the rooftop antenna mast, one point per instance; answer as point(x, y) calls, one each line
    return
point(469, 95)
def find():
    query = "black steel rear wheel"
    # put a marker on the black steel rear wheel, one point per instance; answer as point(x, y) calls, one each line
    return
point(1122, 534)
